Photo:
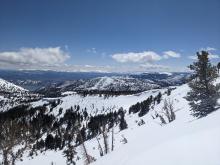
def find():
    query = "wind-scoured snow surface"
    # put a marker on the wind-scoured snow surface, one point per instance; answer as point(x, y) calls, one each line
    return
point(185, 141)
point(6, 86)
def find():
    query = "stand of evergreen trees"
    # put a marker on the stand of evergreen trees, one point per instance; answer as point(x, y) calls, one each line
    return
point(105, 93)
point(142, 108)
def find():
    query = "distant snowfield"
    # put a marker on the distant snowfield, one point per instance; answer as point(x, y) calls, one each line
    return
point(186, 141)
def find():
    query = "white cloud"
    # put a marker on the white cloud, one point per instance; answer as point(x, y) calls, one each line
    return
point(211, 56)
point(208, 49)
point(92, 50)
point(143, 57)
point(146, 61)
point(54, 58)
point(146, 56)
point(34, 57)
point(192, 57)
point(171, 54)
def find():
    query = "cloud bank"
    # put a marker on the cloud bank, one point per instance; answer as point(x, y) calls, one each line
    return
point(171, 54)
point(144, 57)
point(52, 56)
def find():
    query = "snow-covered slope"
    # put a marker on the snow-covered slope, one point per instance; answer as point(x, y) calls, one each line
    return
point(195, 142)
point(100, 104)
point(6, 86)
point(12, 95)
point(117, 83)
point(164, 78)
point(124, 84)
point(185, 141)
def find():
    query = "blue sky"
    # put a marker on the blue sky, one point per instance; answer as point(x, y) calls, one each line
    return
point(101, 35)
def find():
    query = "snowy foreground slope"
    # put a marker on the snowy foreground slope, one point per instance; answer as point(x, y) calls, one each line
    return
point(185, 141)
point(196, 142)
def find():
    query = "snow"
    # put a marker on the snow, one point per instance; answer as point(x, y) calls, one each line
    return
point(2, 98)
point(9, 87)
point(96, 104)
point(103, 82)
point(68, 93)
point(185, 141)
point(118, 83)
point(46, 158)
point(191, 143)
point(168, 73)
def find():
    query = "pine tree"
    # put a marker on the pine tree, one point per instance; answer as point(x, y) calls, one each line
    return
point(49, 142)
point(218, 66)
point(69, 153)
point(123, 124)
point(158, 98)
point(203, 95)
point(145, 107)
point(169, 91)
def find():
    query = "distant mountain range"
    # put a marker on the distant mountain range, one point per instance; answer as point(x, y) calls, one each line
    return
point(124, 84)
point(34, 79)
point(45, 81)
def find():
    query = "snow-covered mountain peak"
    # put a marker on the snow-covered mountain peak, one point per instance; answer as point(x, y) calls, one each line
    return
point(6, 86)
point(118, 83)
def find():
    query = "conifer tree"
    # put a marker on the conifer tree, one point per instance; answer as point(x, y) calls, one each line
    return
point(123, 124)
point(203, 95)
point(158, 98)
point(218, 66)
